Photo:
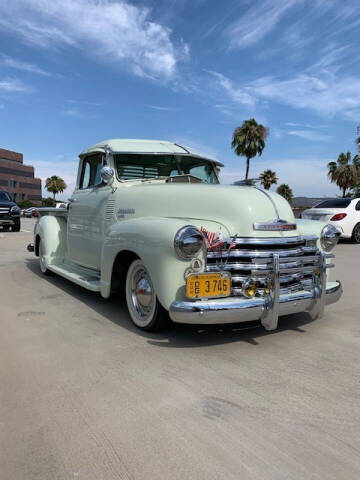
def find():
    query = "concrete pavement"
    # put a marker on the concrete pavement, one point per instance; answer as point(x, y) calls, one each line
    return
point(85, 395)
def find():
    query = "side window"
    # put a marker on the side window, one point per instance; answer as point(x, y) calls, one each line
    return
point(357, 205)
point(85, 177)
point(90, 175)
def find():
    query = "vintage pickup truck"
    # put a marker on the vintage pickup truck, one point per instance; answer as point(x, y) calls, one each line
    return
point(151, 218)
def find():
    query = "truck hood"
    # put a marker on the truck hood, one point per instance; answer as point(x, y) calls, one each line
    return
point(236, 208)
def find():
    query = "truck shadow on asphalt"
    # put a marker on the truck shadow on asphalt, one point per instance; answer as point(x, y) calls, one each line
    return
point(176, 335)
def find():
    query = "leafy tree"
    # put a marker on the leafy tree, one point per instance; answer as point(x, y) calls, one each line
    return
point(345, 171)
point(268, 178)
point(55, 185)
point(357, 143)
point(249, 140)
point(48, 202)
point(25, 204)
point(285, 191)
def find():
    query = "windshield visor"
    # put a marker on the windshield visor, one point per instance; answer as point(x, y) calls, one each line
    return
point(147, 166)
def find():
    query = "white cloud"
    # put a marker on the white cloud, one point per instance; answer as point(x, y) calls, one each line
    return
point(110, 31)
point(304, 125)
point(309, 135)
point(305, 176)
point(257, 22)
point(325, 93)
point(19, 65)
point(71, 112)
point(239, 95)
point(13, 85)
point(162, 109)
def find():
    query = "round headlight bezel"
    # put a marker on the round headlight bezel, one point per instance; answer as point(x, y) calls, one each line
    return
point(329, 237)
point(188, 242)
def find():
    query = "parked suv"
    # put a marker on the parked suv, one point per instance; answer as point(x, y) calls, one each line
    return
point(343, 213)
point(9, 213)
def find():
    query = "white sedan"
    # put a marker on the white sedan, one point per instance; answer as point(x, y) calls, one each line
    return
point(343, 213)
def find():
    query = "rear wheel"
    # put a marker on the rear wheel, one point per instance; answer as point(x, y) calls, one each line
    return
point(356, 234)
point(143, 306)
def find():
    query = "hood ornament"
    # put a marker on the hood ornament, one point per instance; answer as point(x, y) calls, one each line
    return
point(275, 226)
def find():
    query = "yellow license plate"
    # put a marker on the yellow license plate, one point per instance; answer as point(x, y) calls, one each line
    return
point(208, 285)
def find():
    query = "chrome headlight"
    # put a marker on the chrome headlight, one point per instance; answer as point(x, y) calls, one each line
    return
point(188, 242)
point(329, 237)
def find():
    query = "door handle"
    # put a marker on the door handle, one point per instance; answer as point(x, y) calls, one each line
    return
point(73, 200)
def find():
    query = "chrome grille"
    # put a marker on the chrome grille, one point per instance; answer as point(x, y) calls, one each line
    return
point(253, 257)
point(4, 211)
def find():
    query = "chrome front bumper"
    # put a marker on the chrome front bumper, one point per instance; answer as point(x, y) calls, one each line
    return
point(266, 309)
point(6, 221)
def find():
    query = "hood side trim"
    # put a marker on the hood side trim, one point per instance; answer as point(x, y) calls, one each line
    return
point(271, 200)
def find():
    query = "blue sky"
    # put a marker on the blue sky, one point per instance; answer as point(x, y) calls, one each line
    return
point(74, 72)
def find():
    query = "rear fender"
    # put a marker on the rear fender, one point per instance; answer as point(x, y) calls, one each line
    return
point(51, 231)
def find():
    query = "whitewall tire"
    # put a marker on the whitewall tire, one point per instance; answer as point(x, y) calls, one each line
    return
point(42, 261)
point(143, 306)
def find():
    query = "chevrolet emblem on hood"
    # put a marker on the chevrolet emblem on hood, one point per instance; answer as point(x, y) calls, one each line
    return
point(275, 226)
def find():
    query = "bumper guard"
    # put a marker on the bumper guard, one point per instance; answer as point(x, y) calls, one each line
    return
point(267, 309)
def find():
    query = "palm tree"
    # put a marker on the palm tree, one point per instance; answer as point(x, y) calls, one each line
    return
point(55, 185)
point(268, 178)
point(345, 171)
point(249, 140)
point(285, 191)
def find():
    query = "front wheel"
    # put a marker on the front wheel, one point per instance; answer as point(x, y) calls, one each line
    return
point(356, 234)
point(143, 306)
point(16, 227)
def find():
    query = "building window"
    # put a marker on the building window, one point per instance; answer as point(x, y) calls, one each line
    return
point(21, 196)
point(13, 196)
point(12, 184)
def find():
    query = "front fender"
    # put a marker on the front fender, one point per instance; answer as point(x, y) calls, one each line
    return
point(313, 227)
point(152, 240)
point(310, 227)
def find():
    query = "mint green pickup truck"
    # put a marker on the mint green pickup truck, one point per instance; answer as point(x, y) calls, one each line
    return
point(150, 218)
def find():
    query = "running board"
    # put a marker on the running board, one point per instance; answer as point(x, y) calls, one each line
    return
point(84, 277)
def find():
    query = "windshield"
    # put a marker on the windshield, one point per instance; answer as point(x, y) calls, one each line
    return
point(4, 197)
point(138, 166)
point(335, 203)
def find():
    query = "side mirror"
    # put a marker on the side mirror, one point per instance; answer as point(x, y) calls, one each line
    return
point(107, 175)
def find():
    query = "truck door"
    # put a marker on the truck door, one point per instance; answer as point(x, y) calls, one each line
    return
point(86, 214)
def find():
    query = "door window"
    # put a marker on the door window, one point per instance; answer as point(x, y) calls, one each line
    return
point(90, 174)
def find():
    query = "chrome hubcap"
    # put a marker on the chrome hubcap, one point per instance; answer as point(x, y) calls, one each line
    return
point(142, 294)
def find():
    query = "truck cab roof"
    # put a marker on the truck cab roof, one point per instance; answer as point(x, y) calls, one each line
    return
point(131, 145)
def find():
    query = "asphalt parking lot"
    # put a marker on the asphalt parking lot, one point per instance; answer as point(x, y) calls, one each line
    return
point(85, 395)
